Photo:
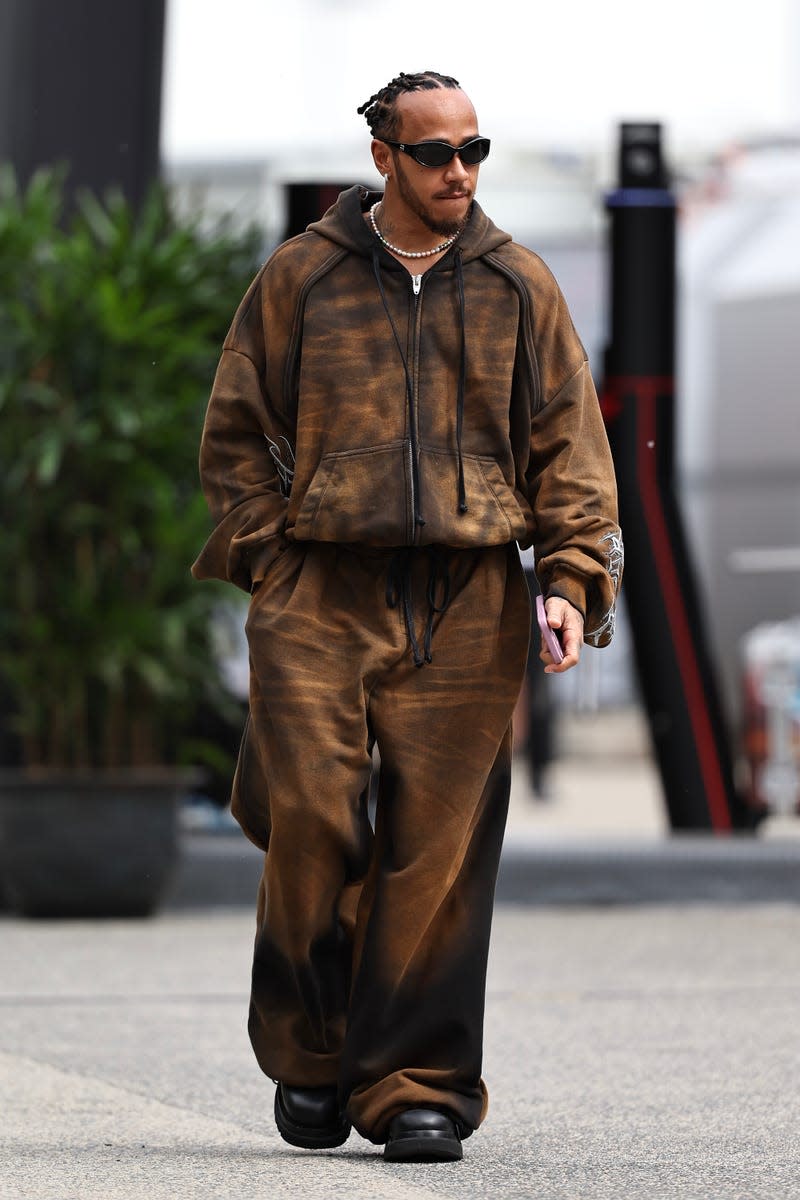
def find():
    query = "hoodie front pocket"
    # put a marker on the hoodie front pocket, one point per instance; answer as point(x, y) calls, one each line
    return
point(493, 515)
point(358, 496)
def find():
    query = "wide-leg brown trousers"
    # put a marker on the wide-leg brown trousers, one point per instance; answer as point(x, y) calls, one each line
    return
point(371, 947)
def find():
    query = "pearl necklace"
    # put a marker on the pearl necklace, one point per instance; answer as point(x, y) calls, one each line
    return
point(407, 253)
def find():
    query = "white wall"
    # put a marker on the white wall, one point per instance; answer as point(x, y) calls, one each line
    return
point(249, 77)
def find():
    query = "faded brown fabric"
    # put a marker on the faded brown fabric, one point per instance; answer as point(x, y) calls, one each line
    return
point(371, 457)
point(310, 369)
point(370, 956)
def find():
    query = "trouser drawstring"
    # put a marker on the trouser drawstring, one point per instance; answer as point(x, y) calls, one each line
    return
point(399, 591)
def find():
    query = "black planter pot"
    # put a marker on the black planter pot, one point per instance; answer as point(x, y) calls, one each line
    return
point(88, 843)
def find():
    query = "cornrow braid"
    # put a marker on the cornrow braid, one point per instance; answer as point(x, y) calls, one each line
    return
point(380, 112)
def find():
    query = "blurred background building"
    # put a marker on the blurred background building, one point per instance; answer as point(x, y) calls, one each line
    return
point(258, 99)
point(261, 95)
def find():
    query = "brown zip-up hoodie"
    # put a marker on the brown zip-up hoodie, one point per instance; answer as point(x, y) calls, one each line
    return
point(347, 408)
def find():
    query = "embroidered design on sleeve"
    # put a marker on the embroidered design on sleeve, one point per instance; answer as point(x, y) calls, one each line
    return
point(283, 457)
point(614, 553)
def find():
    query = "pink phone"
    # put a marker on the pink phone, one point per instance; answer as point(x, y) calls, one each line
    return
point(549, 635)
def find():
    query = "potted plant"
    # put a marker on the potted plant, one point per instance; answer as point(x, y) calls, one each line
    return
point(110, 327)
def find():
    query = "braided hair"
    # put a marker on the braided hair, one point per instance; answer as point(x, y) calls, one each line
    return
point(380, 112)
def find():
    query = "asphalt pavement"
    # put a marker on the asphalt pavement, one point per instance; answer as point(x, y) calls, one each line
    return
point(643, 1045)
point(630, 1052)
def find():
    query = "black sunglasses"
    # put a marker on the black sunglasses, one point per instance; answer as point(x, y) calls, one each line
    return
point(437, 154)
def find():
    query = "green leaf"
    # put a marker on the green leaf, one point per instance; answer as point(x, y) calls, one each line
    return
point(110, 331)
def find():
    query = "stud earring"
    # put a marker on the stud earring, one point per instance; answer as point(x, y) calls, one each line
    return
point(386, 177)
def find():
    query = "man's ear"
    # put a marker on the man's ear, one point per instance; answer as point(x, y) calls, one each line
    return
point(381, 156)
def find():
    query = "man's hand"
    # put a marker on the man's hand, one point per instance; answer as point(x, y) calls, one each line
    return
point(568, 624)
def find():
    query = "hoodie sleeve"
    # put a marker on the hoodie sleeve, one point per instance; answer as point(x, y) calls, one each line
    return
point(239, 473)
point(570, 477)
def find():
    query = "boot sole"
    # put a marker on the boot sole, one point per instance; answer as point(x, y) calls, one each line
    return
point(423, 1148)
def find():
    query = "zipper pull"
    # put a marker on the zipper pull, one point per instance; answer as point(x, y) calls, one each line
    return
point(416, 283)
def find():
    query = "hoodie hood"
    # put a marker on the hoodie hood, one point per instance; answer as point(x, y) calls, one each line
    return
point(344, 225)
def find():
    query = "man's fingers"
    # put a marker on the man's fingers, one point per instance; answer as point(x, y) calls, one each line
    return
point(568, 624)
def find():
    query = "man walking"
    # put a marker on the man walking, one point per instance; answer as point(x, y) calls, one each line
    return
point(400, 400)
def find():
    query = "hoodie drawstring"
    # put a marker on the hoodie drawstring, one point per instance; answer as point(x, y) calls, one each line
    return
point(399, 591)
point(462, 375)
point(461, 497)
point(419, 520)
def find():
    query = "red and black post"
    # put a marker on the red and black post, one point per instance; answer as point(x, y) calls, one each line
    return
point(673, 657)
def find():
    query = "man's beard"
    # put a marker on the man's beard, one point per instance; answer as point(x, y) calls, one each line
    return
point(442, 228)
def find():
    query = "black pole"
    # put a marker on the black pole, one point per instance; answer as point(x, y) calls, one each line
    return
point(80, 84)
point(307, 202)
point(672, 652)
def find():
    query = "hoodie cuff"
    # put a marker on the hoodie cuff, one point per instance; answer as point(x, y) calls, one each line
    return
point(570, 590)
point(262, 559)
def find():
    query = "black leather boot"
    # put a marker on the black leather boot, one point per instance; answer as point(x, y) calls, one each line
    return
point(310, 1117)
point(423, 1135)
